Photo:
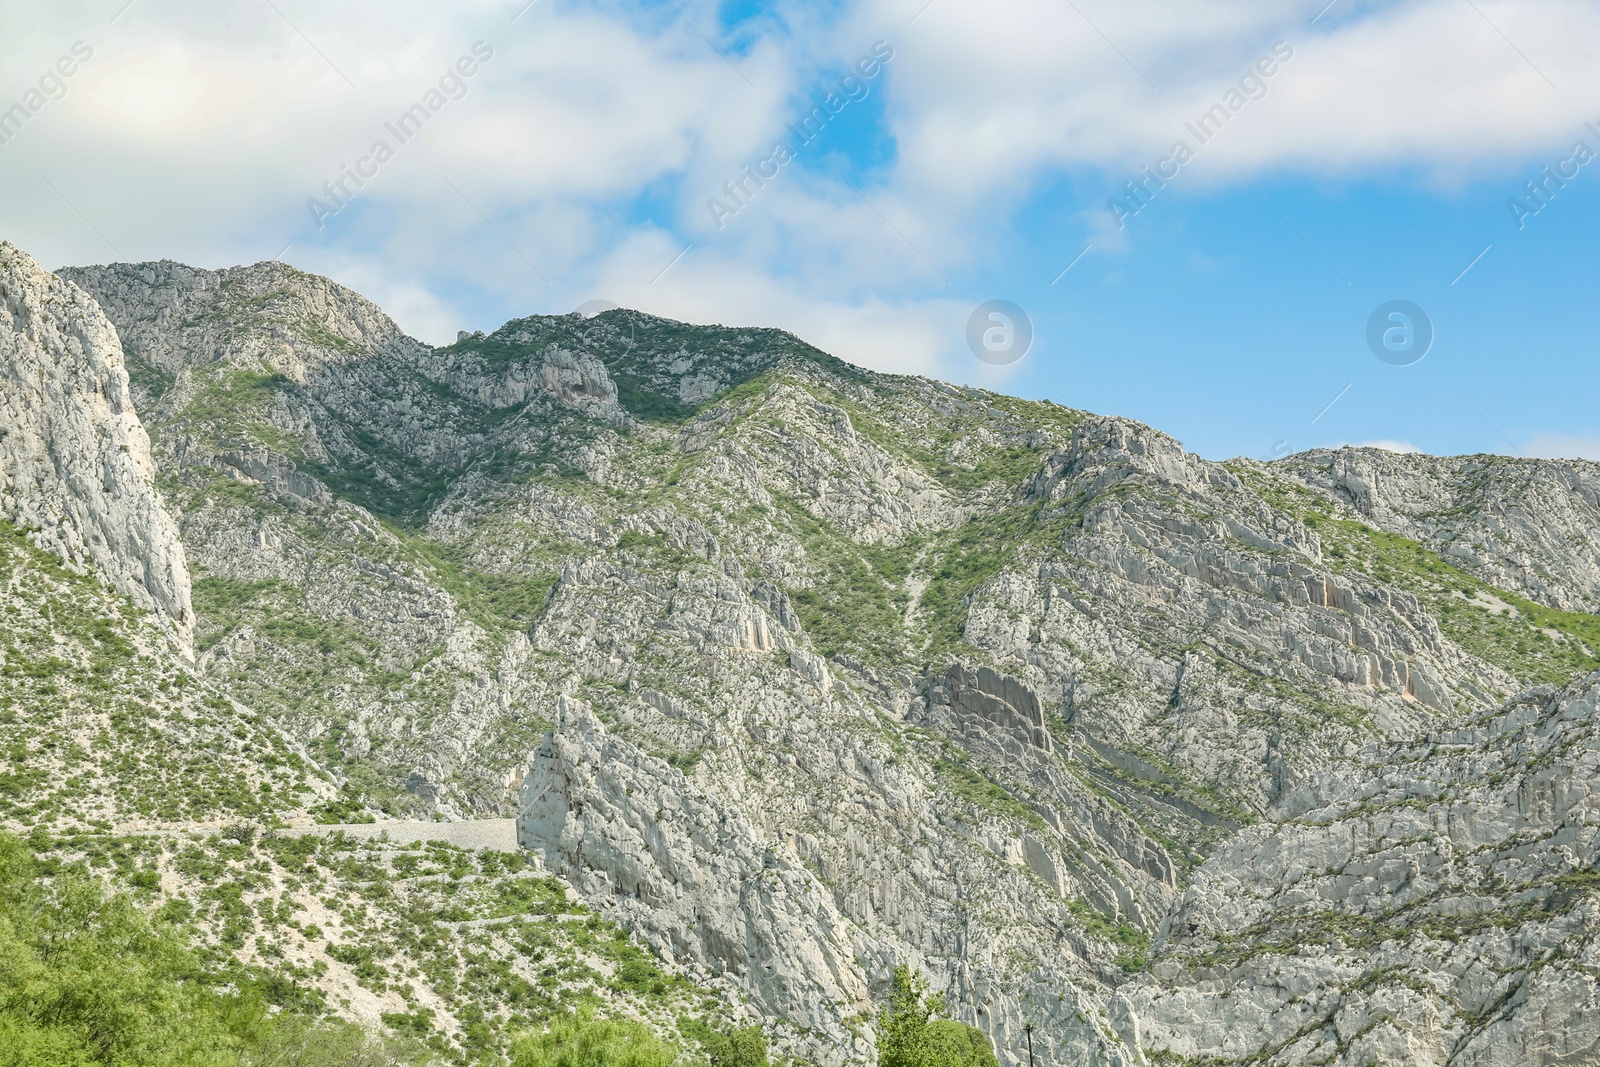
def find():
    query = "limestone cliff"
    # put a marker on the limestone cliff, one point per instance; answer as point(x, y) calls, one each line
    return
point(1429, 903)
point(75, 462)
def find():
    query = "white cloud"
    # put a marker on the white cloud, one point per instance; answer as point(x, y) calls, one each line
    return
point(1562, 446)
point(1009, 87)
point(198, 132)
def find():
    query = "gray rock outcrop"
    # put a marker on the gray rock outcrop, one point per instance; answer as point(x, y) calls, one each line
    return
point(991, 703)
point(75, 462)
point(265, 466)
point(698, 882)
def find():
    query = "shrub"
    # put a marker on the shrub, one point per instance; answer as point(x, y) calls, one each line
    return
point(744, 1047)
point(913, 1032)
point(582, 1040)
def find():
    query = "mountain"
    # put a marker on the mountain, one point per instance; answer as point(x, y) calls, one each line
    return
point(796, 671)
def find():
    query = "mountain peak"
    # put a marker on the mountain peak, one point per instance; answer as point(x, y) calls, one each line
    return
point(663, 369)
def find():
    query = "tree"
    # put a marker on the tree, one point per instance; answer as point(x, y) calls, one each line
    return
point(914, 1032)
point(743, 1047)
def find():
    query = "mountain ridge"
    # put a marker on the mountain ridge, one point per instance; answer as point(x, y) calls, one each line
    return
point(989, 683)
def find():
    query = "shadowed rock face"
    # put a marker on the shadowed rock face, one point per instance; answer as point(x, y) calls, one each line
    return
point(74, 460)
point(823, 670)
point(266, 466)
point(989, 702)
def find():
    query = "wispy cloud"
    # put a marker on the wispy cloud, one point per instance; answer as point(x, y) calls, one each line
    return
point(1563, 446)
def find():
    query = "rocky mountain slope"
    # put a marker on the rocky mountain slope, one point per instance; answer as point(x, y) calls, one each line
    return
point(125, 761)
point(799, 671)
point(1429, 903)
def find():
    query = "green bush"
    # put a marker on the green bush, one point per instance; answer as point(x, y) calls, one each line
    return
point(582, 1040)
point(744, 1047)
point(913, 1032)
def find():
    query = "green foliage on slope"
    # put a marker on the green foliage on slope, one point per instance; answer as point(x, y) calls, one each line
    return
point(88, 980)
point(586, 1041)
point(1533, 642)
point(913, 1030)
point(463, 950)
point(98, 723)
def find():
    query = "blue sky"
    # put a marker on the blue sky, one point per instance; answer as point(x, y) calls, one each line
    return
point(579, 161)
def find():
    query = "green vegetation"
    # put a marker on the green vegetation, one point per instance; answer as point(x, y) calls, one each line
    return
point(744, 1046)
point(495, 601)
point(1133, 944)
point(232, 395)
point(982, 792)
point(321, 336)
point(965, 453)
point(638, 351)
point(383, 478)
point(585, 1041)
point(498, 949)
point(88, 980)
point(93, 729)
point(858, 599)
point(914, 1032)
point(964, 562)
point(347, 808)
point(144, 375)
point(652, 405)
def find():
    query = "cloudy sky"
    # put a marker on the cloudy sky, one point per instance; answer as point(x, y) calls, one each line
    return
point(1333, 159)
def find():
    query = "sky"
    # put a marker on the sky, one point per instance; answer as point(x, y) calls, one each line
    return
point(1201, 215)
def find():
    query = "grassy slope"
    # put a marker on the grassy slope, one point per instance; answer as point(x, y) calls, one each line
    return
point(101, 725)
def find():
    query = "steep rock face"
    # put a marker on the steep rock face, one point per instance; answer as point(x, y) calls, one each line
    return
point(694, 877)
point(1531, 526)
point(574, 380)
point(1434, 903)
point(982, 891)
point(74, 460)
point(992, 703)
point(1177, 592)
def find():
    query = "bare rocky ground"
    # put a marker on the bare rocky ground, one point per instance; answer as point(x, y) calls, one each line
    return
point(797, 671)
